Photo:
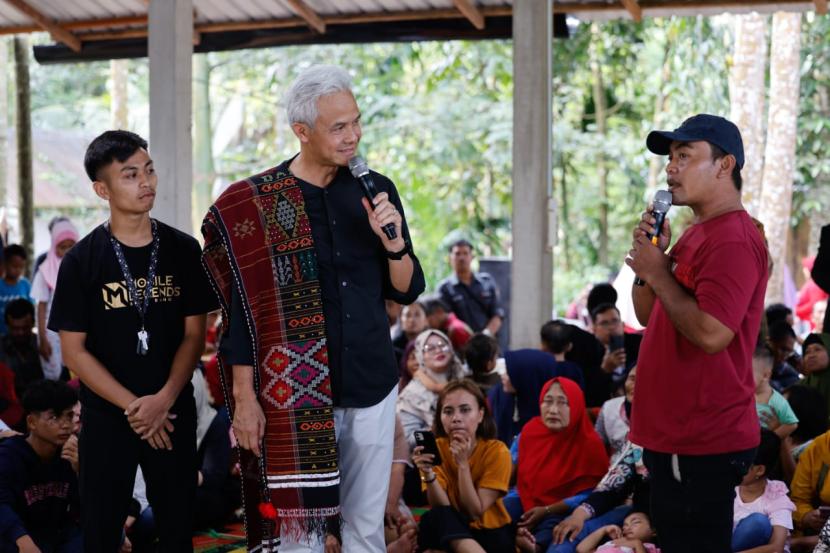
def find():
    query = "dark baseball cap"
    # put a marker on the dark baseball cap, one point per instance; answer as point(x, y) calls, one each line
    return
point(711, 128)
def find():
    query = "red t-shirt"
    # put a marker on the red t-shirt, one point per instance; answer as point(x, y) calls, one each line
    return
point(687, 401)
point(458, 332)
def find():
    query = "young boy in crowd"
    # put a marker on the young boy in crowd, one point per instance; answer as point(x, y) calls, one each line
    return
point(130, 305)
point(440, 317)
point(781, 341)
point(774, 412)
point(557, 339)
point(39, 502)
point(481, 355)
point(13, 285)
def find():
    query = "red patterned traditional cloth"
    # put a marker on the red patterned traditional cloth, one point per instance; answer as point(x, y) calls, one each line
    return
point(258, 239)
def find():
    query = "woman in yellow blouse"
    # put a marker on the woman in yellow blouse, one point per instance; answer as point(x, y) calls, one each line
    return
point(465, 490)
point(810, 488)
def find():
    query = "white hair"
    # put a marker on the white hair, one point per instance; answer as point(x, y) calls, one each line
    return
point(312, 84)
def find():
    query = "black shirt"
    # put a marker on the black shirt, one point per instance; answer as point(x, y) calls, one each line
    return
point(821, 268)
point(354, 281)
point(91, 297)
point(476, 303)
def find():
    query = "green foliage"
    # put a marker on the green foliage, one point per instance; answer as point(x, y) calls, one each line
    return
point(812, 191)
point(438, 121)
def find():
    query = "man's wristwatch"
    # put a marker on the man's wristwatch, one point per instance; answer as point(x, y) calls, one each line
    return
point(396, 256)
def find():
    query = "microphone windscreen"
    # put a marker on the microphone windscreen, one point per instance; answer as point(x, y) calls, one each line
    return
point(662, 201)
point(358, 167)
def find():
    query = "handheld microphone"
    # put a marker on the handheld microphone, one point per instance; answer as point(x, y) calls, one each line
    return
point(360, 171)
point(660, 206)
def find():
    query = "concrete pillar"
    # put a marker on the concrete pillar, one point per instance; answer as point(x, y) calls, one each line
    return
point(532, 267)
point(170, 48)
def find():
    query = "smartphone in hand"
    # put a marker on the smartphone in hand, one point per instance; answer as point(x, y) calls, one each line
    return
point(426, 440)
point(615, 342)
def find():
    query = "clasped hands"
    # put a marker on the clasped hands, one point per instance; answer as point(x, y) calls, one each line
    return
point(150, 417)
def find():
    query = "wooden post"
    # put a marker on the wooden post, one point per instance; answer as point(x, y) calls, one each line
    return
point(170, 48)
point(532, 267)
point(24, 146)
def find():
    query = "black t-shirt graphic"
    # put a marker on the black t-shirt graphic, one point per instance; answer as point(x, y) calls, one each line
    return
point(92, 297)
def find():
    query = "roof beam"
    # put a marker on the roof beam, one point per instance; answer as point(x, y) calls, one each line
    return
point(634, 9)
point(139, 22)
point(303, 10)
point(821, 7)
point(684, 5)
point(58, 33)
point(471, 12)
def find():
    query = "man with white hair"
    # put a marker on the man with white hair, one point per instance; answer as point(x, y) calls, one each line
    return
point(302, 266)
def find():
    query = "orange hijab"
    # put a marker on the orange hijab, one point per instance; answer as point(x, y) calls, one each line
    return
point(556, 465)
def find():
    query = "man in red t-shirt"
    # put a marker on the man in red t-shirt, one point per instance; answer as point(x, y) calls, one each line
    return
point(702, 306)
point(441, 318)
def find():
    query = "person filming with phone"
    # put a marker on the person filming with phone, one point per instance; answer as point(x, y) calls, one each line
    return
point(465, 476)
point(621, 348)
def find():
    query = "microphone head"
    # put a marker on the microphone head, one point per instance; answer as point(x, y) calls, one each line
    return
point(359, 167)
point(662, 201)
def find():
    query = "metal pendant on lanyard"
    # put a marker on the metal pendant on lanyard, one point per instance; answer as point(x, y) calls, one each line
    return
point(143, 344)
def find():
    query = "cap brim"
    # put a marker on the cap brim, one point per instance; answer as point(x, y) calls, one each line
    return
point(658, 142)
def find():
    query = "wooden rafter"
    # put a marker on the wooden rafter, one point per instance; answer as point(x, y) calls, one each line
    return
point(683, 5)
point(471, 12)
point(634, 9)
point(308, 15)
point(137, 25)
point(58, 33)
point(821, 7)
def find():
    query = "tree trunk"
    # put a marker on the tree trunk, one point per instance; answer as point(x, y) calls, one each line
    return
point(4, 125)
point(565, 215)
point(24, 146)
point(656, 163)
point(779, 165)
point(203, 170)
point(747, 85)
point(602, 169)
point(119, 113)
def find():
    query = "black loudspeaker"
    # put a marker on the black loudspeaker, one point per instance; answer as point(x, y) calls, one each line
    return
point(560, 26)
point(499, 269)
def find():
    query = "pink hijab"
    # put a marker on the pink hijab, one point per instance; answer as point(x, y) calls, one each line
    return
point(62, 230)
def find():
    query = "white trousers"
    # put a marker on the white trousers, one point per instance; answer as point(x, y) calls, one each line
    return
point(365, 438)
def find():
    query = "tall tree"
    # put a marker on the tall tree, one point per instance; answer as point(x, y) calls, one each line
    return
point(119, 113)
point(779, 157)
point(4, 121)
point(203, 170)
point(24, 144)
point(747, 86)
point(600, 113)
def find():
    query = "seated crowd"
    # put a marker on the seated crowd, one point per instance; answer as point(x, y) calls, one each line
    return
point(530, 449)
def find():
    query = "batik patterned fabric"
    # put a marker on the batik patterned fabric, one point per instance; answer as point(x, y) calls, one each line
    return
point(258, 240)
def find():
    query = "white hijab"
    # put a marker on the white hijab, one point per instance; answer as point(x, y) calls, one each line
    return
point(415, 398)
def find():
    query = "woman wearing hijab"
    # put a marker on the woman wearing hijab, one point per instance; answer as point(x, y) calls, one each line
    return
point(64, 236)
point(437, 365)
point(816, 363)
point(613, 420)
point(516, 401)
point(561, 457)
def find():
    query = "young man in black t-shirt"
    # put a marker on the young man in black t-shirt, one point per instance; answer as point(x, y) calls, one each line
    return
point(130, 305)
